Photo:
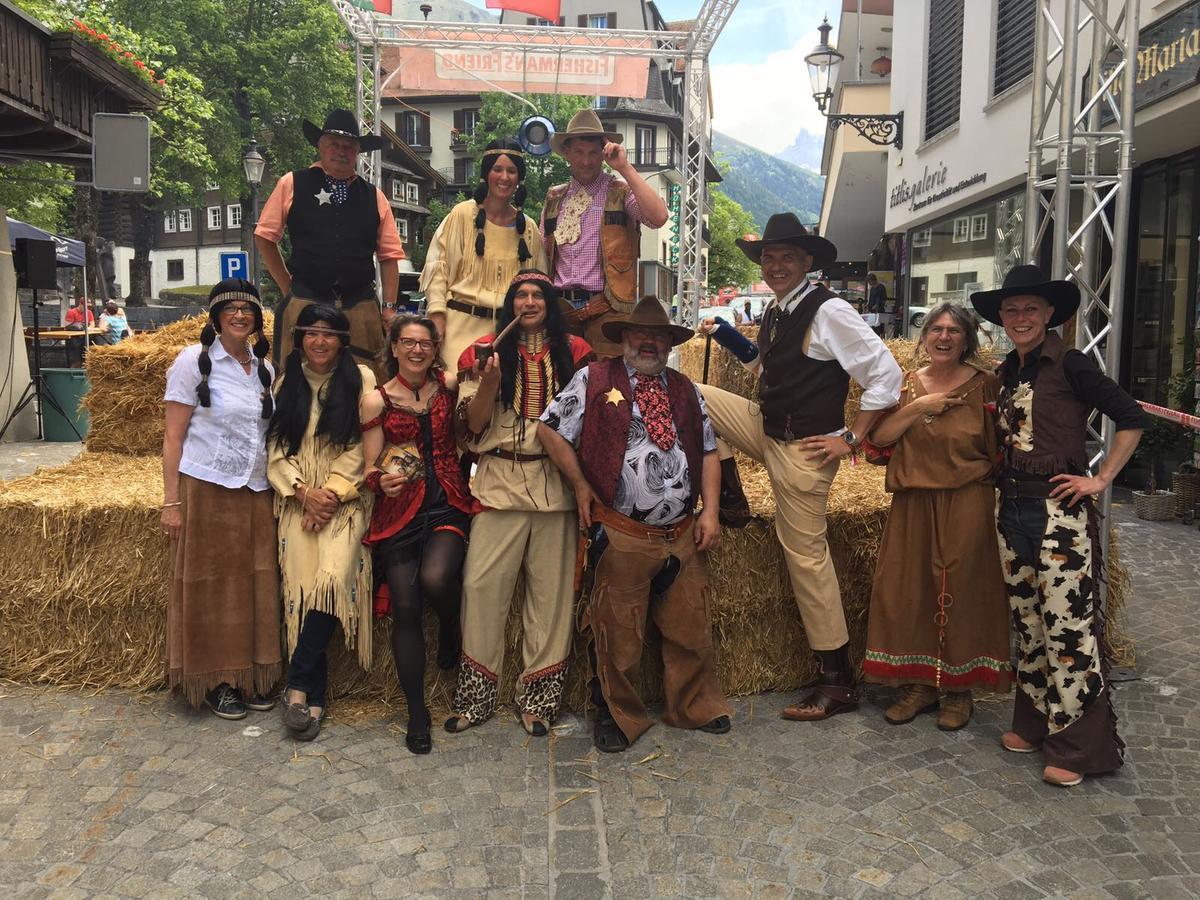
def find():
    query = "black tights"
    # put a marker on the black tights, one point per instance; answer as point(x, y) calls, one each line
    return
point(438, 583)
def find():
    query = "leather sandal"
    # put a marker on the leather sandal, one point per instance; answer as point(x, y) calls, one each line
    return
point(457, 724)
point(534, 728)
point(914, 700)
point(719, 725)
point(607, 735)
point(827, 699)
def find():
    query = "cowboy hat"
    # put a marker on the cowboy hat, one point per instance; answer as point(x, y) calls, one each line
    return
point(584, 123)
point(342, 123)
point(785, 228)
point(1024, 281)
point(649, 313)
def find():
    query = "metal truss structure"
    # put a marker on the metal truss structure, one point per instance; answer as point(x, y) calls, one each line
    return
point(371, 35)
point(1081, 164)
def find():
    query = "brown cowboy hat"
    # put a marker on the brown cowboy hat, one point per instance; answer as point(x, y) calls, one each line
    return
point(785, 228)
point(1022, 281)
point(584, 123)
point(649, 313)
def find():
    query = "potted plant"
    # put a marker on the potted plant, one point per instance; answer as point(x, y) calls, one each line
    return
point(1160, 440)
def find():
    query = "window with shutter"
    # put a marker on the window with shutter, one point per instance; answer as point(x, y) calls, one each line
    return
point(943, 74)
point(1015, 21)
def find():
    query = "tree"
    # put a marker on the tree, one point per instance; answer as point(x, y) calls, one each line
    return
point(727, 265)
point(38, 193)
point(501, 115)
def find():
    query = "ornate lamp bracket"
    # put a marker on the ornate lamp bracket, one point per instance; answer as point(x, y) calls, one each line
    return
point(882, 130)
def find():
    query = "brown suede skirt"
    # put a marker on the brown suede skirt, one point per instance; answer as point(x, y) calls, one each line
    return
point(223, 615)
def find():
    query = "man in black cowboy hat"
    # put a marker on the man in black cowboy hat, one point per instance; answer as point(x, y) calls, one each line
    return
point(1048, 538)
point(811, 343)
point(338, 225)
point(632, 438)
point(591, 227)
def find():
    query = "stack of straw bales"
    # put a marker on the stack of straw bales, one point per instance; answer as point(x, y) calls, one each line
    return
point(84, 567)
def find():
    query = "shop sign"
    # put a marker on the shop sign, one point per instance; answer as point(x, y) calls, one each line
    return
point(932, 186)
point(1168, 58)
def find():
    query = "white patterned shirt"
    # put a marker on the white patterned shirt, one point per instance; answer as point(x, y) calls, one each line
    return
point(226, 443)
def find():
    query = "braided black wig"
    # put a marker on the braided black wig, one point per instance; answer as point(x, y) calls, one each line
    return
point(556, 335)
point(338, 421)
point(513, 151)
point(227, 291)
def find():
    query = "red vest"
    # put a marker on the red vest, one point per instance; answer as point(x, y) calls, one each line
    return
point(605, 434)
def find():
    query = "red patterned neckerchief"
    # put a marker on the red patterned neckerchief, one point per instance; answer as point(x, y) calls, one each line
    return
point(655, 407)
point(535, 382)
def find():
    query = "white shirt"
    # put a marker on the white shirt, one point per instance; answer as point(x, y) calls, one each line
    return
point(226, 443)
point(839, 333)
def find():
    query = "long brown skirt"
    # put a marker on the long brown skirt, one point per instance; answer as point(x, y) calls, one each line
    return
point(223, 616)
point(939, 608)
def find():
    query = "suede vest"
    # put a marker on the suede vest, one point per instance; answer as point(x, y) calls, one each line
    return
point(620, 239)
point(1045, 429)
point(333, 247)
point(799, 396)
point(605, 433)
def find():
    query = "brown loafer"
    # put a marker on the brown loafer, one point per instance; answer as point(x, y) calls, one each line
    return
point(956, 711)
point(824, 701)
point(914, 699)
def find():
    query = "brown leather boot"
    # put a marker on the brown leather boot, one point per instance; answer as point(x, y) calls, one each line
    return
point(914, 699)
point(956, 711)
point(734, 508)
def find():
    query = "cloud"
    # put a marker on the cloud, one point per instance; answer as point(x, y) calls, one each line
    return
point(766, 103)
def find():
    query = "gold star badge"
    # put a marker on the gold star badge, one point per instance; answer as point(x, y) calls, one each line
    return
point(614, 397)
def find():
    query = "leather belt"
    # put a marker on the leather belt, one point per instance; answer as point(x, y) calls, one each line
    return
point(516, 457)
point(576, 295)
point(482, 312)
point(1025, 489)
point(610, 518)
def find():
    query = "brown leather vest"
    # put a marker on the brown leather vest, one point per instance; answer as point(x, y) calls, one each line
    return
point(799, 396)
point(605, 432)
point(620, 240)
point(1043, 424)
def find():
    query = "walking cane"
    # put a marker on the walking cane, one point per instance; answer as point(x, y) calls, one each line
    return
point(707, 357)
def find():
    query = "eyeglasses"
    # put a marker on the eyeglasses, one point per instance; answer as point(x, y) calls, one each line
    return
point(232, 309)
point(413, 343)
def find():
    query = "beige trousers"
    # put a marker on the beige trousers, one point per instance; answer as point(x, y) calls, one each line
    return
point(505, 543)
point(801, 490)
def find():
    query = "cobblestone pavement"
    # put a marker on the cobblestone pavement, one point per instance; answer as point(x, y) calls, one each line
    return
point(116, 794)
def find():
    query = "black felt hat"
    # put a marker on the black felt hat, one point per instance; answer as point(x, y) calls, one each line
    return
point(342, 123)
point(1024, 281)
point(785, 228)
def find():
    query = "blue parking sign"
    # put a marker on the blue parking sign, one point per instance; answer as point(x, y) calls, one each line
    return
point(235, 265)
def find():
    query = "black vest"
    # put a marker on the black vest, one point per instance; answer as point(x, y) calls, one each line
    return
point(799, 396)
point(333, 247)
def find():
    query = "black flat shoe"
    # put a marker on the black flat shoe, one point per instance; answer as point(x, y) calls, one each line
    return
point(607, 736)
point(719, 725)
point(419, 742)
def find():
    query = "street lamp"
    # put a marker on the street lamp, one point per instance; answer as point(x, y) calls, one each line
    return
point(823, 64)
point(253, 165)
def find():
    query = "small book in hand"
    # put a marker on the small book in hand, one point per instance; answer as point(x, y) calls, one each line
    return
point(402, 459)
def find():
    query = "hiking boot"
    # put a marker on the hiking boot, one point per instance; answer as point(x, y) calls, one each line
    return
point(914, 699)
point(733, 507)
point(955, 712)
point(225, 702)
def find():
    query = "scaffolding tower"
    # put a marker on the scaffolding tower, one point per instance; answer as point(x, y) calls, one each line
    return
point(1081, 149)
point(372, 35)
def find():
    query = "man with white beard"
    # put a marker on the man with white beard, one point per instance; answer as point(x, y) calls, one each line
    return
point(633, 439)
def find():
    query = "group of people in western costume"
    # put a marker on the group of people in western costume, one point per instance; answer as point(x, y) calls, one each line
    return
point(536, 366)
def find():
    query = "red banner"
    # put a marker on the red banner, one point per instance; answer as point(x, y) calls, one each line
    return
point(543, 9)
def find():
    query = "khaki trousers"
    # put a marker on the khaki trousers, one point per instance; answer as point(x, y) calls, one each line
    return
point(617, 617)
point(505, 543)
point(367, 340)
point(801, 490)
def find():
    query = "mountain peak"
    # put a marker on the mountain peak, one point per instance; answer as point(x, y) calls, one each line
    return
point(764, 184)
point(805, 151)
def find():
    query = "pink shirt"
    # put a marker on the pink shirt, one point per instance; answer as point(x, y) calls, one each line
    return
point(273, 219)
point(577, 265)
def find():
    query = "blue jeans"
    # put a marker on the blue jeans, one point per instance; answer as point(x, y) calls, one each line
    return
point(308, 669)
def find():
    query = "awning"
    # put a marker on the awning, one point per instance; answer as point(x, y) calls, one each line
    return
point(67, 251)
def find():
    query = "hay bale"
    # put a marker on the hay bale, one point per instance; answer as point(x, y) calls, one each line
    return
point(126, 386)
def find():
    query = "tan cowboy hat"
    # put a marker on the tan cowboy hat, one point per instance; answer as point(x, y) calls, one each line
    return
point(584, 123)
point(649, 313)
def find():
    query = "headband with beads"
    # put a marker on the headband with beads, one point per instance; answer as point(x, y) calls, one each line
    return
point(523, 277)
point(312, 329)
point(227, 296)
point(503, 152)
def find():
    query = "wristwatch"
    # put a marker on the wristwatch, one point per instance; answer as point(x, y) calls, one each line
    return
point(851, 438)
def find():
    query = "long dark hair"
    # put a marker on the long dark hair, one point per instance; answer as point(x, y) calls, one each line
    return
point(212, 328)
point(398, 325)
point(556, 335)
point(338, 421)
point(513, 151)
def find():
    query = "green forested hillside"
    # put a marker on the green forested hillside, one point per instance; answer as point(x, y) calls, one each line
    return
point(763, 184)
